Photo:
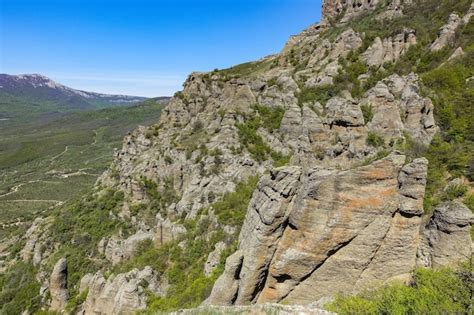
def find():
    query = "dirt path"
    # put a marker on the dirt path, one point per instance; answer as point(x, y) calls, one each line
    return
point(59, 155)
point(16, 188)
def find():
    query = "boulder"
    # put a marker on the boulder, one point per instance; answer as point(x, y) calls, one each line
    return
point(446, 240)
point(214, 258)
point(120, 294)
point(58, 285)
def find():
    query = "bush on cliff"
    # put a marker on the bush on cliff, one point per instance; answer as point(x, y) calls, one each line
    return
point(431, 292)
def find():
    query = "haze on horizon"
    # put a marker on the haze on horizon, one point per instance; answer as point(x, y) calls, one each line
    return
point(142, 47)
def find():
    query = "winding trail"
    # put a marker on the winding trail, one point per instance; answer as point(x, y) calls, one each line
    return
point(59, 155)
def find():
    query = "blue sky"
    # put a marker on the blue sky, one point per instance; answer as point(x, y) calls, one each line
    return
point(142, 47)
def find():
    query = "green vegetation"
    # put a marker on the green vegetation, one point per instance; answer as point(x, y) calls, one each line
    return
point(58, 156)
point(245, 69)
point(79, 226)
point(268, 118)
point(319, 94)
point(159, 197)
point(375, 140)
point(184, 266)
point(414, 17)
point(431, 292)
point(348, 76)
point(368, 112)
point(20, 290)
point(230, 209)
point(451, 153)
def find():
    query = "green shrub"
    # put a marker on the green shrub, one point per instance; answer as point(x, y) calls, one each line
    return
point(231, 209)
point(431, 292)
point(319, 94)
point(271, 116)
point(454, 191)
point(268, 118)
point(375, 140)
point(253, 142)
point(19, 289)
point(368, 112)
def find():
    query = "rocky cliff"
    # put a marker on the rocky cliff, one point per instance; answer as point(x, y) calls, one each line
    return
point(333, 129)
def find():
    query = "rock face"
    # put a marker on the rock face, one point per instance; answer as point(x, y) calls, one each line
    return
point(32, 248)
point(120, 294)
point(446, 236)
point(399, 108)
point(58, 285)
point(311, 234)
point(347, 8)
point(389, 49)
point(447, 33)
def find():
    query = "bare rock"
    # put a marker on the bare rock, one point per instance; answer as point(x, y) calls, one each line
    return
point(214, 258)
point(32, 249)
point(120, 294)
point(309, 235)
point(459, 52)
point(58, 285)
point(346, 8)
point(412, 183)
point(344, 112)
point(267, 214)
point(225, 289)
point(389, 49)
point(470, 13)
point(447, 33)
point(446, 239)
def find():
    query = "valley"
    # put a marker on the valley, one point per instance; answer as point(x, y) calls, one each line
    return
point(54, 154)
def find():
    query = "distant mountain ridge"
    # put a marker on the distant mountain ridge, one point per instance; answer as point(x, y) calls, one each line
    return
point(42, 89)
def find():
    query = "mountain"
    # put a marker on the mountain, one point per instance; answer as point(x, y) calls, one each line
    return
point(41, 94)
point(336, 174)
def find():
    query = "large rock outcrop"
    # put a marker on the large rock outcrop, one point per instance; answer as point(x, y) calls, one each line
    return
point(446, 238)
point(58, 285)
point(343, 11)
point(447, 34)
point(389, 49)
point(311, 234)
point(121, 294)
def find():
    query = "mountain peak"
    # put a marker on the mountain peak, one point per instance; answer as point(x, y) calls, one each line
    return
point(44, 88)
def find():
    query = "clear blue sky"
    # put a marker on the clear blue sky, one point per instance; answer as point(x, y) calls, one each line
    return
point(142, 47)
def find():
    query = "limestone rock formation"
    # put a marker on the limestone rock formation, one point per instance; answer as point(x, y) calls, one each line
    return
point(398, 107)
point(32, 248)
point(447, 33)
point(213, 258)
point(120, 294)
point(58, 285)
point(347, 9)
point(445, 238)
point(389, 49)
point(311, 234)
